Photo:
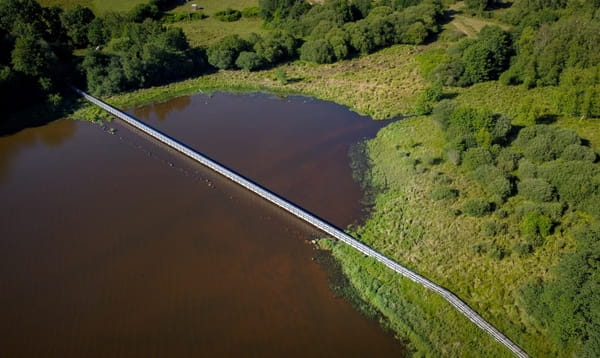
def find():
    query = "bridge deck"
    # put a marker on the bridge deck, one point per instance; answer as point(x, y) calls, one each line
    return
point(329, 229)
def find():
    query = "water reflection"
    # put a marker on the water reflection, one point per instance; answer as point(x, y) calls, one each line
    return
point(51, 135)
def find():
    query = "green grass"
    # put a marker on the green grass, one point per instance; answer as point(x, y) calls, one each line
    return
point(382, 85)
point(98, 6)
point(206, 31)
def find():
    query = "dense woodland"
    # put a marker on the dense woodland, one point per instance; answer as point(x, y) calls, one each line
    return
point(539, 178)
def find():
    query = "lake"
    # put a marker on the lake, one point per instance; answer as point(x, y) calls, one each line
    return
point(113, 245)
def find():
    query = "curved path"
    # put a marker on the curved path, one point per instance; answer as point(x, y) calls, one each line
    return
point(329, 229)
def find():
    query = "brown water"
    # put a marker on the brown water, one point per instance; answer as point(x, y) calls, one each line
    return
point(113, 246)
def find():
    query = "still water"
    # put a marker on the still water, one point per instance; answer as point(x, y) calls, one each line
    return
point(113, 246)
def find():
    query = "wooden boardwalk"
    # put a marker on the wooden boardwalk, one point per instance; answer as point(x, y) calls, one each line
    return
point(327, 228)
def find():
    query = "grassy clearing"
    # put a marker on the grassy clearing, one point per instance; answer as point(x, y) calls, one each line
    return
point(206, 31)
point(98, 6)
point(431, 236)
point(382, 85)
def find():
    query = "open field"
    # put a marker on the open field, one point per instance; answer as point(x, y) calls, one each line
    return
point(205, 31)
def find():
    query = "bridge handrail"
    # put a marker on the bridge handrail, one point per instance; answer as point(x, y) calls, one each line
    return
point(461, 306)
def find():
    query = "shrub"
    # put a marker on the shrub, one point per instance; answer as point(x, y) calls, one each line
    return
point(507, 160)
point(534, 225)
point(542, 143)
point(576, 182)
point(523, 249)
point(427, 99)
point(228, 15)
point(443, 193)
point(578, 152)
point(477, 207)
point(251, 12)
point(536, 190)
point(493, 181)
point(492, 228)
point(249, 61)
point(476, 157)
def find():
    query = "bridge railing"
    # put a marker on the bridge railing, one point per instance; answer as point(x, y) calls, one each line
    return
point(329, 229)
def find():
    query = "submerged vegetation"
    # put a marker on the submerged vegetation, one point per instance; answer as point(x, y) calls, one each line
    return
point(493, 192)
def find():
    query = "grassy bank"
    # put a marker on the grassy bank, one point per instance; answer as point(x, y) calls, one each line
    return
point(382, 85)
point(431, 236)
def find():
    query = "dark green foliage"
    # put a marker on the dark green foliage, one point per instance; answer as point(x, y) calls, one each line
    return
point(276, 47)
point(340, 42)
point(319, 51)
point(543, 54)
point(480, 5)
point(29, 56)
point(228, 15)
point(222, 54)
point(578, 152)
point(249, 61)
point(542, 143)
point(443, 193)
point(273, 10)
point(473, 61)
point(552, 210)
point(34, 55)
point(98, 32)
point(442, 111)
point(536, 190)
point(145, 11)
point(493, 180)
point(428, 98)
point(475, 157)
point(76, 22)
point(477, 207)
point(141, 55)
point(568, 305)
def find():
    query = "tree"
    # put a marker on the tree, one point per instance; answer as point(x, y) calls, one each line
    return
point(319, 51)
point(249, 61)
point(76, 21)
point(223, 53)
point(28, 56)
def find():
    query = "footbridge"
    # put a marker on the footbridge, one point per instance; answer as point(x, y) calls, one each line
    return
point(327, 228)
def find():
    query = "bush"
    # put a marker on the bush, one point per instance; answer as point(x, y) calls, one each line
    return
point(523, 249)
point(476, 157)
point(228, 15)
point(443, 193)
point(534, 225)
point(249, 61)
point(536, 190)
point(507, 160)
point(492, 228)
point(493, 181)
point(578, 152)
point(477, 207)
point(428, 98)
point(542, 143)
